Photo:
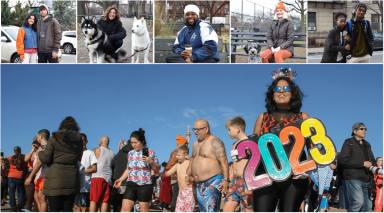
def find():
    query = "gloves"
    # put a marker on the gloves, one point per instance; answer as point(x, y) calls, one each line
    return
point(274, 50)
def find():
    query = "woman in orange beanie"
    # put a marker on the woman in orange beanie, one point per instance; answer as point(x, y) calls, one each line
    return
point(280, 37)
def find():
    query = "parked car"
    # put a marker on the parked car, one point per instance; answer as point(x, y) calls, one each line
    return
point(377, 41)
point(68, 42)
point(8, 44)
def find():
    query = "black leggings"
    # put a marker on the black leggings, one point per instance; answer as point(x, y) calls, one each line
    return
point(288, 195)
point(62, 203)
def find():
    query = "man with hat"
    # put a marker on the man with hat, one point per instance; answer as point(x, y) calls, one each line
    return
point(180, 140)
point(355, 159)
point(48, 37)
point(196, 42)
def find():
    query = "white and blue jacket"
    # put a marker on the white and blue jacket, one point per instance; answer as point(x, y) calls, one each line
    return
point(203, 39)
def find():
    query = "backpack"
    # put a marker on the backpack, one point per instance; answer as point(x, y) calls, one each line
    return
point(350, 26)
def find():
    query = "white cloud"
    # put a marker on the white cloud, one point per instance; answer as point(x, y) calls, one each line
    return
point(189, 112)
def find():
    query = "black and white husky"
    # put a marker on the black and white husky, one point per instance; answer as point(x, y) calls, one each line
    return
point(252, 49)
point(96, 42)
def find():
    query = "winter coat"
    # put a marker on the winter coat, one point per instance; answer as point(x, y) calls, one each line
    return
point(333, 45)
point(368, 35)
point(48, 34)
point(62, 153)
point(114, 29)
point(351, 160)
point(281, 34)
point(203, 39)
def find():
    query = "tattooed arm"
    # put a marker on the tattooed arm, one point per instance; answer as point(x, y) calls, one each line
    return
point(221, 156)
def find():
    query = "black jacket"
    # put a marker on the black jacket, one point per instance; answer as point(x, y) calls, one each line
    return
point(368, 35)
point(351, 160)
point(119, 162)
point(114, 29)
point(333, 44)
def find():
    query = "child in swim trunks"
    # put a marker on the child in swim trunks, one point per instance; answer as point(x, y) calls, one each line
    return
point(185, 200)
point(237, 192)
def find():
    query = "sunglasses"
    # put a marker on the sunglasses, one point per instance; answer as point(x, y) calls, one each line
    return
point(282, 89)
point(198, 129)
point(363, 129)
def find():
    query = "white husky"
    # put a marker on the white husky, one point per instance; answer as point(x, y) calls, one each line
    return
point(141, 41)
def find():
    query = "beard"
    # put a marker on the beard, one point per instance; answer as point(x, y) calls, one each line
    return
point(190, 24)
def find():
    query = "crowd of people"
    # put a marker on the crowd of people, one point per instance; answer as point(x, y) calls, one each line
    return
point(61, 174)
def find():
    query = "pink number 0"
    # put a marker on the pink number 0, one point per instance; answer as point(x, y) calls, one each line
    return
point(252, 181)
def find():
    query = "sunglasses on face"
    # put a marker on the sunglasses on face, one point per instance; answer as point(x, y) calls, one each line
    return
point(282, 89)
point(198, 129)
point(363, 129)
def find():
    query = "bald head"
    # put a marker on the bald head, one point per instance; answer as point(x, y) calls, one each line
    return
point(201, 129)
point(202, 122)
point(104, 141)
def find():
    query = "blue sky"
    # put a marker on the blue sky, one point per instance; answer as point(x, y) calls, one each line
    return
point(164, 99)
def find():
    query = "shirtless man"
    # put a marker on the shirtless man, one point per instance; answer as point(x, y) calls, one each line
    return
point(238, 194)
point(208, 168)
point(38, 172)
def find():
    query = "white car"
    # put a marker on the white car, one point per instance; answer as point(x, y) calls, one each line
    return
point(8, 44)
point(68, 42)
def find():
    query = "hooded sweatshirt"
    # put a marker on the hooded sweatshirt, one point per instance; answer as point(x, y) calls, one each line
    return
point(62, 153)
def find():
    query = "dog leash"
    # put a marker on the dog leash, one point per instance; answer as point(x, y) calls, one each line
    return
point(137, 51)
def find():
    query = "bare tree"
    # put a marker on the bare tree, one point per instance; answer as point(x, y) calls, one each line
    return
point(299, 7)
point(379, 11)
point(211, 8)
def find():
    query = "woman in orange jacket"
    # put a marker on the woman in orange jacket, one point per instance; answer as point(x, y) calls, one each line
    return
point(26, 41)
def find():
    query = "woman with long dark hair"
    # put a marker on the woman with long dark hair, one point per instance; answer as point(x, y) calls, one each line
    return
point(139, 185)
point(62, 154)
point(111, 25)
point(26, 41)
point(283, 103)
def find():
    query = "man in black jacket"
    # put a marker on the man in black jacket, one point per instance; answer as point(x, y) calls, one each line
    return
point(356, 158)
point(362, 37)
point(335, 47)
